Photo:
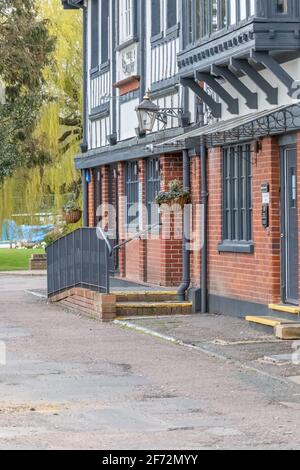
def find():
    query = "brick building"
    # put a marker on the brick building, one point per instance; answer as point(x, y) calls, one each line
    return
point(225, 74)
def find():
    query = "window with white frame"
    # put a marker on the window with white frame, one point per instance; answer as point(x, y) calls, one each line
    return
point(164, 16)
point(125, 20)
point(206, 17)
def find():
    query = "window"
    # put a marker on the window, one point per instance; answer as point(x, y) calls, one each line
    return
point(132, 195)
point(104, 31)
point(206, 17)
point(282, 6)
point(97, 194)
point(126, 20)
point(237, 194)
point(94, 34)
point(164, 15)
point(156, 17)
point(99, 32)
point(171, 13)
point(153, 188)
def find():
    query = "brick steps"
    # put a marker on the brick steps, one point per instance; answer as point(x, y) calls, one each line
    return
point(122, 304)
point(146, 296)
point(131, 309)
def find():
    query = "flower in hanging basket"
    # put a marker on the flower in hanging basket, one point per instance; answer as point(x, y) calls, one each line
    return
point(175, 195)
point(72, 212)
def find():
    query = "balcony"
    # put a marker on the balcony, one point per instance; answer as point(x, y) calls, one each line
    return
point(240, 38)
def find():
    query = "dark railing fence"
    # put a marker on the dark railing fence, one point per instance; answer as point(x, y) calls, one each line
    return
point(79, 259)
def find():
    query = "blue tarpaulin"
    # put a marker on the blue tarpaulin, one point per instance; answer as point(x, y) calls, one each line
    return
point(29, 233)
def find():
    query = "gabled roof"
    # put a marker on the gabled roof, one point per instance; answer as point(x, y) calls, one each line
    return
point(72, 4)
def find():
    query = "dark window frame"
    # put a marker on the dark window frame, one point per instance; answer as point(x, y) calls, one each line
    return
point(164, 24)
point(205, 28)
point(153, 187)
point(105, 17)
point(95, 33)
point(97, 193)
point(131, 191)
point(237, 199)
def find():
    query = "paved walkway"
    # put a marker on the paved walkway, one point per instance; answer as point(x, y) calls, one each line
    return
point(70, 382)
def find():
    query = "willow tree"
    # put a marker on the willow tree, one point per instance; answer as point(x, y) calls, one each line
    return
point(25, 50)
point(49, 176)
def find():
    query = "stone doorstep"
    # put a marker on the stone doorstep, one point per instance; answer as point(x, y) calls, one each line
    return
point(288, 332)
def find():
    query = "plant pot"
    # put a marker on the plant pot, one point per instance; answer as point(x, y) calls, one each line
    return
point(72, 217)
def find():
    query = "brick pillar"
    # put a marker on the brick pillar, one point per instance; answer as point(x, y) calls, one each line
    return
point(122, 234)
point(91, 201)
point(143, 241)
point(171, 240)
point(268, 170)
point(105, 197)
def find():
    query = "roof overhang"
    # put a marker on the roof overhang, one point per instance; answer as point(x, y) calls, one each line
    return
point(252, 126)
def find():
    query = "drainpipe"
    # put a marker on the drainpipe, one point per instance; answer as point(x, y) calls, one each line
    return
point(204, 202)
point(186, 255)
point(84, 144)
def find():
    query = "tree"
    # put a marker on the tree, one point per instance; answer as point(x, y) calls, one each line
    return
point(43, 184)
point(25, 50)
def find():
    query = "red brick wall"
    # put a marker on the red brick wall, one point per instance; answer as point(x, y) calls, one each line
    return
point(171, 248)
point(252, 277)
point(155, 261)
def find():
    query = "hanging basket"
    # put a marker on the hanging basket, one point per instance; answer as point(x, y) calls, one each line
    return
point(72, 217)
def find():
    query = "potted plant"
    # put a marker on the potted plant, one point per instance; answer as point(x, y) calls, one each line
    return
point(175, 195)
point(72, 212)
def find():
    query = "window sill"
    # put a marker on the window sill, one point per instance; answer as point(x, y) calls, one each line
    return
point(127, 43)
point(236, 247)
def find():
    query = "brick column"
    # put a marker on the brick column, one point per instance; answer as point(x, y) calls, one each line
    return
point(122, 235)
point(91, 201)
point(105, 196)
point(171, 242)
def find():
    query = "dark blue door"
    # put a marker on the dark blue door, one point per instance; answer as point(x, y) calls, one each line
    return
point(290, 228)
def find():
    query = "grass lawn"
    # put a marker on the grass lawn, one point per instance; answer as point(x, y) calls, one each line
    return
point(16, 260)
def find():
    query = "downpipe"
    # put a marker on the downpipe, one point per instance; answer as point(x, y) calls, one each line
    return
point(204, 201)
point(186, 255)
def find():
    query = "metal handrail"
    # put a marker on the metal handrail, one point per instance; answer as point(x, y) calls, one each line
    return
point(106, 239)
point(136, 237)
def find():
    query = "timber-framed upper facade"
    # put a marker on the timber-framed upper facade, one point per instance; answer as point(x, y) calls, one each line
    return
point(242, 53)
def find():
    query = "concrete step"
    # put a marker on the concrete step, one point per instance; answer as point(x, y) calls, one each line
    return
point(146, 296)
point(287, 309)
point(269, 321)
point(283, 328)
point(132, 309)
